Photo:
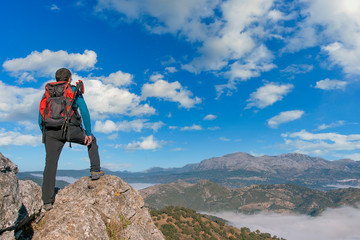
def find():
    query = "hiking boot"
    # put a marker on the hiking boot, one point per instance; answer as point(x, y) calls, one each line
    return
point(48, 206)
point(96, 175)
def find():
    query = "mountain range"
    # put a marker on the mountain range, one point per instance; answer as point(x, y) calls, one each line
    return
point(240, 169)
point(281, 198)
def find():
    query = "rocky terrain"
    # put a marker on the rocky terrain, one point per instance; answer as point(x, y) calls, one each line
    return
point(281, 198)
point(20, 201)
point(108, 208)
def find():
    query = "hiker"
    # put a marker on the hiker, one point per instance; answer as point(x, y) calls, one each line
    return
point(60, 122)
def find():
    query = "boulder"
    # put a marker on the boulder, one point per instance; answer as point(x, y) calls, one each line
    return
point(108, 208)
point(10, 199)
point(20, 201)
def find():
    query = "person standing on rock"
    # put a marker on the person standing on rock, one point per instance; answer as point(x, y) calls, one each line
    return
point(60, 122)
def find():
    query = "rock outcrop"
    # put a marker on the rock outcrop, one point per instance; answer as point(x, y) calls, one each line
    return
point(108, 208)
point(20, 201)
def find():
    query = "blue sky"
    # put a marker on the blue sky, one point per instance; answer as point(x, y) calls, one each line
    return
point(169, 83)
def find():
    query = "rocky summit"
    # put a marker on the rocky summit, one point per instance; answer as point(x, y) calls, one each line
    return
point(108, 208)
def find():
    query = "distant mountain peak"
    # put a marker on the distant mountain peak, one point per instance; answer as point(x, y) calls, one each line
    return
point(238, 154)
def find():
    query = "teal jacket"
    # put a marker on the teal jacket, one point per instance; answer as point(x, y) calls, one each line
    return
point(81, 104)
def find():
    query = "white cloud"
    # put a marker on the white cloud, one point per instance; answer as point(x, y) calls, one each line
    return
point(169, 16)
point(298, 68)
point(115, 166)
point(9, 138)
point(224, 139)
point(173, 92)
point(105, 99)
point(285, 117)
point(210, 117)
point(126, 126)
point(268, 95)
point(147, 143)
point(112, 136)
point(19, 104)
point(29, 125)
point(328, 84)
point(54, 7)
point(45, 63)
point(331, 125)
point(353, 156)
point(194, 127)
point(118, 79)
point(321, 143)
point(171, 69)
point(335, 26)
point(177, 149)
point(332, 224)
point(22, 104)
point(232, 35)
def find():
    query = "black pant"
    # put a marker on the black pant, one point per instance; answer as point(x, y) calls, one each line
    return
point(54, 142)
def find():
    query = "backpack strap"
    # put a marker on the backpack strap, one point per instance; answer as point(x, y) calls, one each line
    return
point(65, 127)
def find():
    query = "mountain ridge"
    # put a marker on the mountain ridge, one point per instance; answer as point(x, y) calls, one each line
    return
point(281, 198)
point(241, 169)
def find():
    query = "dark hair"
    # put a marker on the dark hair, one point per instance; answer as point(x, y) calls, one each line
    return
point(62, 74)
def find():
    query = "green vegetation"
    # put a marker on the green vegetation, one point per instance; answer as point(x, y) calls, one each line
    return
point(179, 223)
point(211, 197)
point(115, 227)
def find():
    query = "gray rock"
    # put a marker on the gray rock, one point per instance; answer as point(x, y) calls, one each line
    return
point(108, 208)
point(10, 199)
point(8, 235)
point(20, 201)
point(30, 194)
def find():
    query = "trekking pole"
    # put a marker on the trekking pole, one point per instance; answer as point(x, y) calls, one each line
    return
point(79, 86)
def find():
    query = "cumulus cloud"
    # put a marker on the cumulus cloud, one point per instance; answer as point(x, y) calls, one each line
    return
point(9, 138)
point(333, 224)
point(45, 63)
point(19, 104)
point(328, 84)
point(285, 117)
point(173, 92)
point(321, 143)
point(118, 79)
point(126, 126)
point(210, 117)
point(334, 25)
point(147, 143)
point(268, 95)
point(194, 127)
point(106, 99)
point(230, 38)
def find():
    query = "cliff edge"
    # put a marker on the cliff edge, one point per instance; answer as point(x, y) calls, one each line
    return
point(108, 208)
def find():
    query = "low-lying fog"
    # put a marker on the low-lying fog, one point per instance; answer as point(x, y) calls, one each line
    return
point(333, 224)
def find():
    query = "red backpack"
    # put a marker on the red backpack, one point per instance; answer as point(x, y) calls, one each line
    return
point(57, 104)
